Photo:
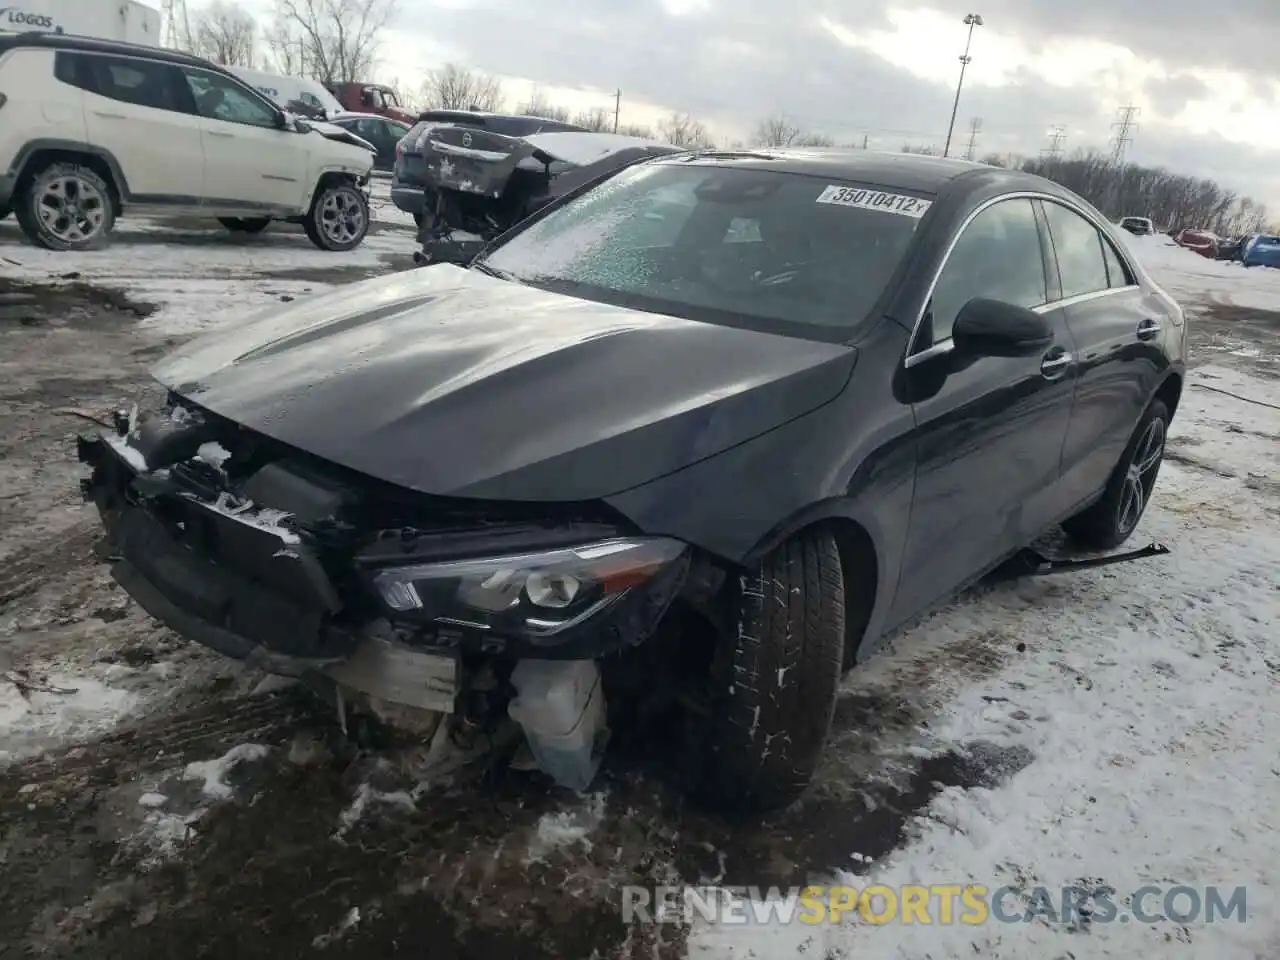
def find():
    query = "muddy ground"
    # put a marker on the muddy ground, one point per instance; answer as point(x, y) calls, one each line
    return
point(465, 869)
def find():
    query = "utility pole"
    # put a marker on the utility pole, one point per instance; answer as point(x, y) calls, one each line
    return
point(865, 139)
point(1125, 126)
point(973, 20)
point(617, 108)
point(975, 127)
point(1053, 152)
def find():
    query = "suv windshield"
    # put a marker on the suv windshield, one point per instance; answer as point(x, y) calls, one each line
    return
point(722, 244)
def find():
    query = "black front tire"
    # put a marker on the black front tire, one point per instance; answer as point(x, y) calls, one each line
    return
point(1112, 520)
point(245, 224)
point(339, 217)
point(773, 682)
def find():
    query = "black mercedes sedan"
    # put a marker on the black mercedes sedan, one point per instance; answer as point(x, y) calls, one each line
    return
point(723, 419)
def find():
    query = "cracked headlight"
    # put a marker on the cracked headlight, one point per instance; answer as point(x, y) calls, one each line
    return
point(533, 594)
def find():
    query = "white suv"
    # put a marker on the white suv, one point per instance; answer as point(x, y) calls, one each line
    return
point(91, 128)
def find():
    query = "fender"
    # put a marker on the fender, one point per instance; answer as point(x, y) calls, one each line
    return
point(887, 546)
point(32, 147)
point(345, 170)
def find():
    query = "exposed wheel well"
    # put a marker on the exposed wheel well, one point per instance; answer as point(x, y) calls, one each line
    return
point(333, 178)
point(861, 569)
point(40, 159)
point(1170, 392)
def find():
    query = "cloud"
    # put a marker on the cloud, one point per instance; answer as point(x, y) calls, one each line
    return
point(859, 68)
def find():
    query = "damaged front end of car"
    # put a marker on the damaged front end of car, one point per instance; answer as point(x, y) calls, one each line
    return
point(391, 599)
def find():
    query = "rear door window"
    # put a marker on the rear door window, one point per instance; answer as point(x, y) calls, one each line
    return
point(1078, 246)
point(143, 83)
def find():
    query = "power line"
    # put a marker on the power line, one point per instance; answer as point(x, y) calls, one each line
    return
point(1125, 126)
point(975, 127)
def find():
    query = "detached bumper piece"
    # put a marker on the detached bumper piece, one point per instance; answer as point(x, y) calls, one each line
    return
point(1032, 563)
point(230, 581)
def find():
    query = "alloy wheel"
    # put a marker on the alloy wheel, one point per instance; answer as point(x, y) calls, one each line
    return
point(342, 216)
point(71, 209)
point(1140, 477)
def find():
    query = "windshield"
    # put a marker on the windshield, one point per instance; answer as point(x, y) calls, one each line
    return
point(721, 244)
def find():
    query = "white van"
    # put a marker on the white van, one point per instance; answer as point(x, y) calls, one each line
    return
point(284, 90)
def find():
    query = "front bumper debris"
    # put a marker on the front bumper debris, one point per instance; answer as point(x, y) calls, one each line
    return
point(267, 568)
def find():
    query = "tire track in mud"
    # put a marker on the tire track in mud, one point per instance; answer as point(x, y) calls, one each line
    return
point(497, 864)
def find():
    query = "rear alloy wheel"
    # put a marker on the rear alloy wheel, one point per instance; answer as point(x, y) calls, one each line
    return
point(66, 207)
point(339, 217)
point(245, 224)
point(1111, 521)
point(773, 682)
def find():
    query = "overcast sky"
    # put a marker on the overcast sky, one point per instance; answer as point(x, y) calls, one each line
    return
point(1204, 75)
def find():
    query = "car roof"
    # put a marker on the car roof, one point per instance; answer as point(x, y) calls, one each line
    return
point(70, 41)
point(905, 171)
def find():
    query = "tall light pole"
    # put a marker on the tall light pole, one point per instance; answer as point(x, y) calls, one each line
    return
point(973, 20)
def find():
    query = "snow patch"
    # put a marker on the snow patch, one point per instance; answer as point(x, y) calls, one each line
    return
point(59, 706)
point(566, 828)
point(367, 796)
point(214, 772)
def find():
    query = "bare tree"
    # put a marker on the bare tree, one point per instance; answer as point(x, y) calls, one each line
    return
point(1171, 200)
point(540, 105)
point(682, 130)
point(454, 87)
point(814, 140)
point(636, 130)
point(597, 119)
point(922, 150)
point(225, 33)
point(776, 131)
point(333, 41)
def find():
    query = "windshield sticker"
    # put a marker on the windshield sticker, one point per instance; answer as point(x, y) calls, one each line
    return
point(875, 200)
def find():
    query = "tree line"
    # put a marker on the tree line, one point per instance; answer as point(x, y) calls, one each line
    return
point(337, 41)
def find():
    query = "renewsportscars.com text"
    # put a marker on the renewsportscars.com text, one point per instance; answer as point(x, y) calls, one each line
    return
point(939, 904)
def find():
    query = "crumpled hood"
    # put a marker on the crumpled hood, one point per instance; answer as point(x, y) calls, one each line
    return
point(447, 381)
point(342, 135)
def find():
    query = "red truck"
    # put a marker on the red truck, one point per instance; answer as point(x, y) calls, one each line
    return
point(371, 98)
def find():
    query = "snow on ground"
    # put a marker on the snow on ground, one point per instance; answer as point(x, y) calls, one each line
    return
point(1189, 276)
point(201, 275)
point(1148, 696)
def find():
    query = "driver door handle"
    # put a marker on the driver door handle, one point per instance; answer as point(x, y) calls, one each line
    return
point(1148, 329)
point(1055, 365)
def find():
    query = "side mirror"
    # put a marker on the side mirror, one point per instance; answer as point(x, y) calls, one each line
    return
point(993, 328)
point(301, 126)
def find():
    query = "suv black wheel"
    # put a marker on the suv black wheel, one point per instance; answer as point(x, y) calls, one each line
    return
point(339, 217)
point(245, 224)
point(773, 681)
point(65, 206)
point(1110, 521)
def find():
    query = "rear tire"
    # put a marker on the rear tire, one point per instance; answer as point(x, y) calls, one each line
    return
point(339, 217)
point(1112, 520)
point(773, 683)
point(66, 207)
point(245, 224)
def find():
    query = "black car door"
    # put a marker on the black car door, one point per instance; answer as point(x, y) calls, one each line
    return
point(1119, 360)
point(989, 430)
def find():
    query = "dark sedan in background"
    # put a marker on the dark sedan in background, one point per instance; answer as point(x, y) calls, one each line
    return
point(383, 132)
point(715, 426)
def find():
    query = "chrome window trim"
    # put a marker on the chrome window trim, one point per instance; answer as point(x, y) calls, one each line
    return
point(946, 346)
